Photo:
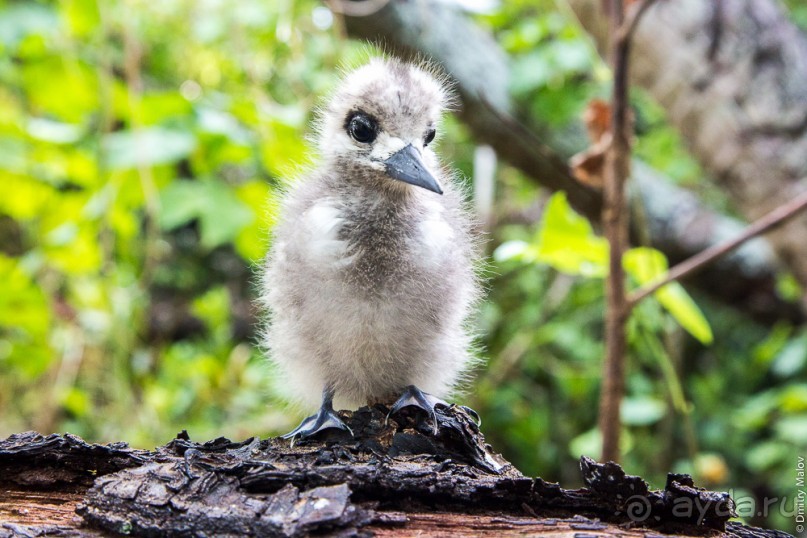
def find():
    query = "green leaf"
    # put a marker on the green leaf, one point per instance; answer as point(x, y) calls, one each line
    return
point(511, 250)
point(567, 242)
point(754, 414)
point(680, 305)
point(793, 398)
point(157, 107)
point(81, 16)
point(251, 243)
point(586, 444)
point(647, 265)
point(221, 214)
point(283, 148)
point(28, 199)
point(76, 402)
point(213, 308)
point(222, 123)
point(180, 203)
point(25, 321)
point(12, 155)
point(792, 358)
point(642, 410)
point(53, 131)
point(62, 89)
point(20, 20)
point(146, 147)
point(793, 428)
point(764, 456)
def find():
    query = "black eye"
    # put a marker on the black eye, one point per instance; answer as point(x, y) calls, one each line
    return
point(362, 129)
point(429, 137)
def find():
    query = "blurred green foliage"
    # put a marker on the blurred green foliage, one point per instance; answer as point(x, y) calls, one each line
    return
point(566, 241)
point(142, 146)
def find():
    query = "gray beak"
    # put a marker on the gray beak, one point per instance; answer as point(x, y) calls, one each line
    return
point(407, 166)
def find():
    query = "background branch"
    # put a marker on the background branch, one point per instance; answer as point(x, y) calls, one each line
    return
point(698, 262)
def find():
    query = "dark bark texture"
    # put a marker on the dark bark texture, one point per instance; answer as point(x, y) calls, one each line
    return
point(677, 223)
point(394, 478)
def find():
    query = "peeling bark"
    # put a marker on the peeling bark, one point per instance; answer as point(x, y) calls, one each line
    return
point(394, 478)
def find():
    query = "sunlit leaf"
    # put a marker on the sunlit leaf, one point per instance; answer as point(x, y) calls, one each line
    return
point(13, 155)
point(567, 242)
point(24, 321)
point(793, 428)
point(221, 214)
point(252, 242)
point(53, 131)
point(213, 308)
point(20, 20)
point(792, 358)
point(765, 455)
point(68, 91)
point(29, 198)
point(74, 248)
point(642, 410)
point(283, 150)
point(793, 398)
point(76, 402)
point(220, 122)
point(82, 16)
point(180, 203)
point(147, 147)
point(646, 265)
point(586, 444)
point(510, 250)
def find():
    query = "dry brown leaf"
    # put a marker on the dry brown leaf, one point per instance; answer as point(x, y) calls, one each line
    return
point(597, 118)
point(587, 166)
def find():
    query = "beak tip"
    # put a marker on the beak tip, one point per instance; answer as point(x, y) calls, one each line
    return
point(406, 165)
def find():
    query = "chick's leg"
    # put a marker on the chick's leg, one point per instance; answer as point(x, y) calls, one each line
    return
point(413, 396)
point(323, 419)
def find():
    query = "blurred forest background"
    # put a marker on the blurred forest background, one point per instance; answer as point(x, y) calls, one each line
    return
point(141, 148)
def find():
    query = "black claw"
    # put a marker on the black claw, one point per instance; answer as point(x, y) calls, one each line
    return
point(413, 396)
point(324, 419)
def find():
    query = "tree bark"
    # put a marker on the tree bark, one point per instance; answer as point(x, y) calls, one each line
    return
point(394, 478)
point(732, 75)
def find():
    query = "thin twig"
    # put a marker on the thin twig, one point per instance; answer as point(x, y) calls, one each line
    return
point(615, 227)
point(632, 18)
point(699, 261)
